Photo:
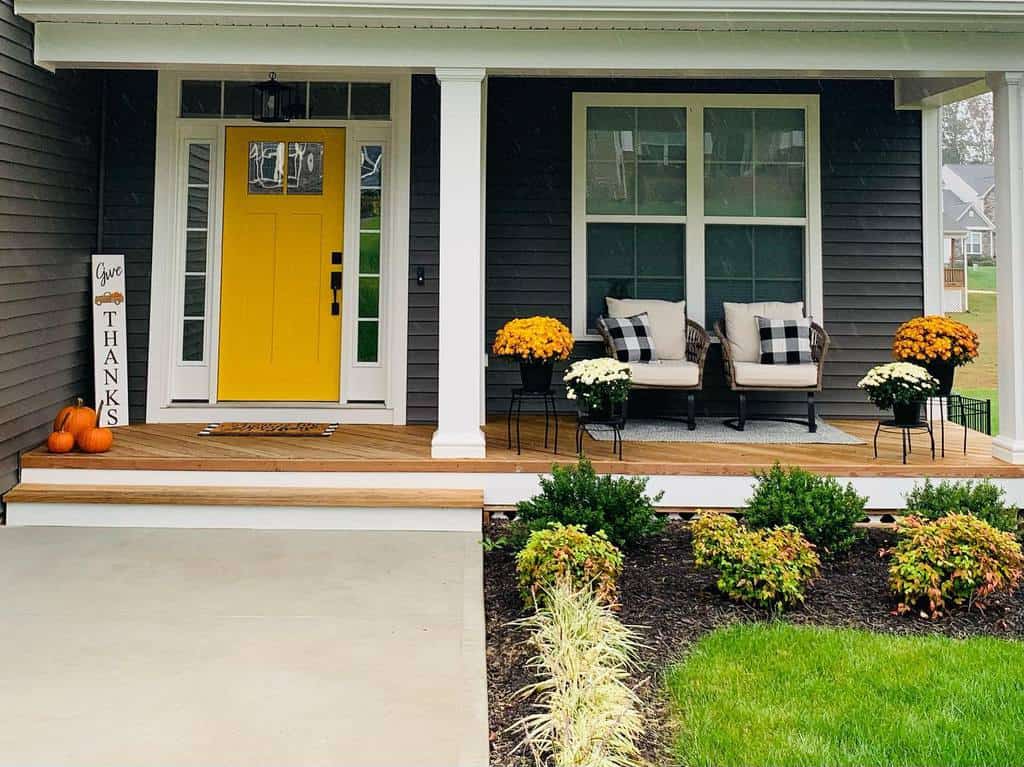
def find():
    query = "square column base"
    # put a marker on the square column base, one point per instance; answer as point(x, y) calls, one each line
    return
point(1008, 450)
point(446, 444)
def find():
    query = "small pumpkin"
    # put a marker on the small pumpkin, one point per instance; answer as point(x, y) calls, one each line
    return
point(61, 441)
point(75, 418)
point(95, 439)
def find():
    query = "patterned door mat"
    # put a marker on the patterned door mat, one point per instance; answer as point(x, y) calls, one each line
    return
point(269, 430)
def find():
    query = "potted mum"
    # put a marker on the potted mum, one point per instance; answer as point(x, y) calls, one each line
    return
point(600, 388)
point(938, 344)
point(536, 343)
point(902, 386)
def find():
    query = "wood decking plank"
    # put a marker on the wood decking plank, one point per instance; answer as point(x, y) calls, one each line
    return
point(407, 449)
point(179, 495)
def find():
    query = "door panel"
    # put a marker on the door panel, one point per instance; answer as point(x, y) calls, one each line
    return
point(279, 340)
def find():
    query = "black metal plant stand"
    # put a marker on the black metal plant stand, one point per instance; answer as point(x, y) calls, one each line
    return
point(615, 422)
point(906, 432)
point(550, 413)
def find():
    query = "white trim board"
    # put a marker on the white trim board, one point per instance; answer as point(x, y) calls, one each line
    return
point(500, 489)
point(186, 392)
point(695, 218)
point(802, 54)
point(243, 517)
point(956, 15)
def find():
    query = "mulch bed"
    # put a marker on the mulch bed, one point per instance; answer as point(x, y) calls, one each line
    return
point(676, 604)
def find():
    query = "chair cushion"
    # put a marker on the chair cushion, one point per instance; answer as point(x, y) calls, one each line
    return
point(667, 318)
point(630, 337)
point(741, 325)
point(775, 376)
point(666, 373)
point(785, 342)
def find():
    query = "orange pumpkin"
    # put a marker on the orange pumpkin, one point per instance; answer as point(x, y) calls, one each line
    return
point(75, 418)
point(61, 441)
point(95, 439)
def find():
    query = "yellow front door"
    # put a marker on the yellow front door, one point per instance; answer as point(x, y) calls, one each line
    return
point(280, 316)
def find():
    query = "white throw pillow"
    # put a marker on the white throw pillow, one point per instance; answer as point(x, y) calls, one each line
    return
point(667, 319)
point(741, 325)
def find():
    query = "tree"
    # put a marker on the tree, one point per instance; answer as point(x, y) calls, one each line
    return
point(967, 131)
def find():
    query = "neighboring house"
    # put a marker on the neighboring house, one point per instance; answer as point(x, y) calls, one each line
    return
point(451, 165)
point(968, 207)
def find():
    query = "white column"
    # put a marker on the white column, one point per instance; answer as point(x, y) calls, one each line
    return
point(1008, 104)
point(931, 207)
point(460, 332)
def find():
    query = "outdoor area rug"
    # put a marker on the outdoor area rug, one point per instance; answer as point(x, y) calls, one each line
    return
point(713, 430)
point(268, 430)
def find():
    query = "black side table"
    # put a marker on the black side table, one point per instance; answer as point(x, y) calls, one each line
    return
point(906, 432)
point(516, 404)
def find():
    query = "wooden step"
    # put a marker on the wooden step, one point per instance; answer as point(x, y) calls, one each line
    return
point(193, 495)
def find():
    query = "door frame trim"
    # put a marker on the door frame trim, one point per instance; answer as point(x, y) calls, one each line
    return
point(171, 135)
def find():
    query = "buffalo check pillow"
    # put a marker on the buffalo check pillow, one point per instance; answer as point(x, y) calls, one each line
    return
point(630, 337)
point(785, 342)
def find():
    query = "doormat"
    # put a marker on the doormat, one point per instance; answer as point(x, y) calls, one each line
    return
point(269, 430)
point(713, 430)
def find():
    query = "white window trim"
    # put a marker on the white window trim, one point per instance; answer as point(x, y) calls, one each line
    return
point(974, 243)
point(172, 399)
point(695, 220)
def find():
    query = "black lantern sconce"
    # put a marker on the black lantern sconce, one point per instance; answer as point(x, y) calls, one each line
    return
point(274, 102)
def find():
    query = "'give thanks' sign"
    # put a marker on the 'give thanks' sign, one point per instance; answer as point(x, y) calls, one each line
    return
point(109, 339)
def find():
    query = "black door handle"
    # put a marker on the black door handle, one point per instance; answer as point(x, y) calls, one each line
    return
point(335, 287)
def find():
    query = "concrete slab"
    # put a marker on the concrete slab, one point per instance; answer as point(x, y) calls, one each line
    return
point(145, 647)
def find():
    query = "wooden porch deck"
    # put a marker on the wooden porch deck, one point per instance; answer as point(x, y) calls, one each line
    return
point(176, 447)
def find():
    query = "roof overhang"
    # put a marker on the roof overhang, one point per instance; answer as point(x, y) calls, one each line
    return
point(699, 15)
point(955, 56)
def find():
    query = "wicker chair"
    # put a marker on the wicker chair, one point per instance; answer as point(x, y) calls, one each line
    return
point(670, 374)
point(745, 379)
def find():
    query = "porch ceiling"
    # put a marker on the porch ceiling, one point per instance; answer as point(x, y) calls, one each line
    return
point(704, 15)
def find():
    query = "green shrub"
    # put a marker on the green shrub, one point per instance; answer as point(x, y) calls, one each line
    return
point(576, 495)
point(770, 568)
point(984, 500)
point(957, 559)
point(819, 507)
point(568, 553)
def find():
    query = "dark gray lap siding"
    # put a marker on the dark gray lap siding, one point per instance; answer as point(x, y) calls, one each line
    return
point(871, 194)
point(129, 170)
point(48, 187)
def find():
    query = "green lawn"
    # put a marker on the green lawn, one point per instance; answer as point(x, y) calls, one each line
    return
point(982, 278)
point(776, 694)
point(979, 378)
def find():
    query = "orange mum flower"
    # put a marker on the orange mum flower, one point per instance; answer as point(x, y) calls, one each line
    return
point(935, 337)
point(540, 339)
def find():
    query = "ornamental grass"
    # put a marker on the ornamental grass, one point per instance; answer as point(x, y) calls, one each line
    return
point(935, 338)
point(534, 339)
point(587, 713)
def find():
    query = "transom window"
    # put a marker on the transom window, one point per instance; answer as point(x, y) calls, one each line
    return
point(710, 198)
point(316, 100)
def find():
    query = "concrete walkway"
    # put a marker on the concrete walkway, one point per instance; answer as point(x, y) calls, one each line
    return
point(232, 647)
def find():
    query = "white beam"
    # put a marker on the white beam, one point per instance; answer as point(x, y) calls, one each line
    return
point(460, 358)
point(921, 92)
point(1008, 107)
point(931, 208)
point(800, 54)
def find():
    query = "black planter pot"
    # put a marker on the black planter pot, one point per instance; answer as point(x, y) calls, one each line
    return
point(906, 413)
point(536, 376)
point(943, 371)
point(603, 413)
